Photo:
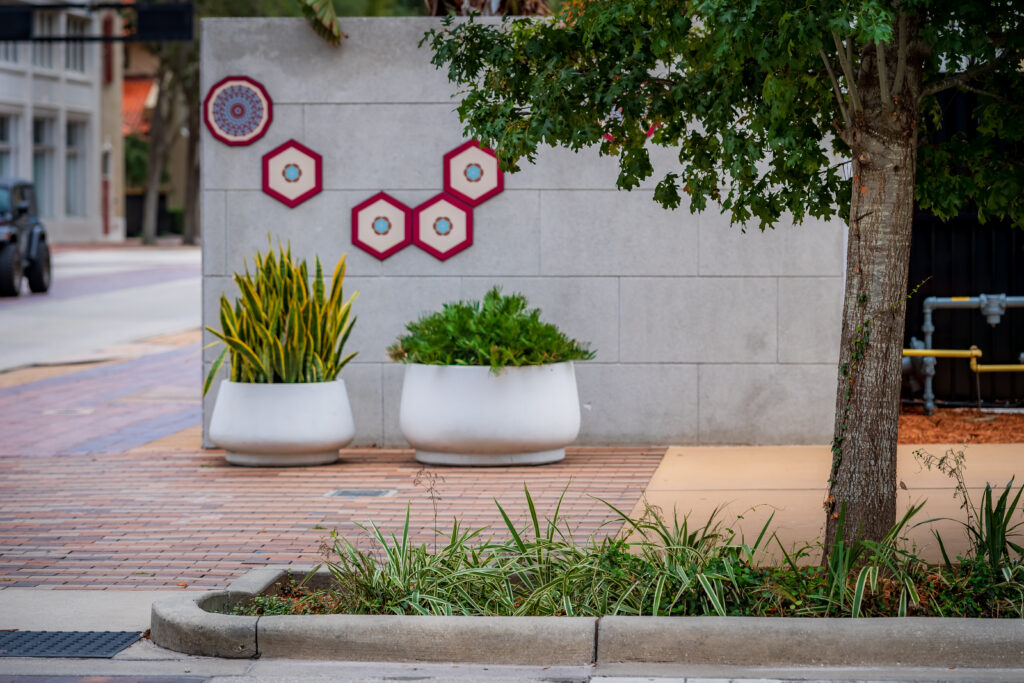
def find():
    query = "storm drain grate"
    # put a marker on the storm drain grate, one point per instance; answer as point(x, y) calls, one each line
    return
point(361, 493)
point(65, 643)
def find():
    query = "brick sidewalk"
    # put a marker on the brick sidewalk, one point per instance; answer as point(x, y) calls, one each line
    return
point(104, 408)
point(151, 519)
point(125, 498)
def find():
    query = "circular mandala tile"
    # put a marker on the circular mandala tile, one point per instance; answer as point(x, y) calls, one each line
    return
point(237, 110)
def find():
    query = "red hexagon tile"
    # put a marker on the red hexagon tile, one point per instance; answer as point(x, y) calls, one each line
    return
point(381, 225)
point(237, 110)
point(471, 173)
point(442, 226)
point(292, 173)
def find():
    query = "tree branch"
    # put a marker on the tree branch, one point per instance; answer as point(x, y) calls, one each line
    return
point(835, 87)
point(846, 62)
point(901, 56)
point(960, 79)
point(668, 83)
point(970, 88)
point(883, 79)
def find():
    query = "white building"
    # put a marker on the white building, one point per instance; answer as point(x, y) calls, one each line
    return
point(60, 111)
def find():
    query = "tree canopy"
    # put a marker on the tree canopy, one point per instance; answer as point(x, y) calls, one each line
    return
point(755, 95)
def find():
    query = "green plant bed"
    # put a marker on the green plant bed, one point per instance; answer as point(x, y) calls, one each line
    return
point(498, 331)
point(658, 568)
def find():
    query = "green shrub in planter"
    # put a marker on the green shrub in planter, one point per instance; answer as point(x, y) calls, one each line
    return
point(280, 330)
point(499, 331)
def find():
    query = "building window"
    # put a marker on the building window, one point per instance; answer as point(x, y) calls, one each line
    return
point(8, 135)
point(42, 163)
point(74, 169)
point(42, 53)
point(74, 53)
point(9, 52)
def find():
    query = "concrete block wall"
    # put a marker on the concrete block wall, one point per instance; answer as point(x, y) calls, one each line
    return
point(703, 334)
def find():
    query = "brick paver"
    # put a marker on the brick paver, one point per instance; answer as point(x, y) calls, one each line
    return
point(106, 408)
point(150, 520)
point(105, 510)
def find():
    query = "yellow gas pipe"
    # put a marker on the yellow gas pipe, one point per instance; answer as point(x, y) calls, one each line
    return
point(974, 353)
point(992, 368)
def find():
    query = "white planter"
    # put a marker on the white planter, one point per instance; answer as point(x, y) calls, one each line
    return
point(282, 424)
point(466, 415)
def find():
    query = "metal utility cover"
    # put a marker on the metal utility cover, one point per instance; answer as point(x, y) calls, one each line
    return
point(360, 493)
point(100, 644)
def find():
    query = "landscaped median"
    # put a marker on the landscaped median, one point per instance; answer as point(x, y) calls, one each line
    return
point(191, 623)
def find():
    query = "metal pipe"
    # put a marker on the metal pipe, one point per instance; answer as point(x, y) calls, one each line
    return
point(992, 306)
point(973, 352)
point(992, 368)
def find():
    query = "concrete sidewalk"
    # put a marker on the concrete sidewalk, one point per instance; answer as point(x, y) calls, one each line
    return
point(749, 484)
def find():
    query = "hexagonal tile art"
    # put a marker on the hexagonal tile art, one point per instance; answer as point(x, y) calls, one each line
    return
point(292, 173)
point(238, 110)
point(381, 225)
point(471, 173)
point(442, 226)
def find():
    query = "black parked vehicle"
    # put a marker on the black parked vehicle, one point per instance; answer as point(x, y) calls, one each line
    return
point(24, 250)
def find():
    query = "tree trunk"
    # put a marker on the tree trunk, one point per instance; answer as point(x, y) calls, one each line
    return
point(192, 182)
point(155, 164)
point(867, 401)
point(883, 140)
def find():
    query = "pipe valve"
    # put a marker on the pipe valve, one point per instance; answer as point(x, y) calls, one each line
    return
point(993, 307)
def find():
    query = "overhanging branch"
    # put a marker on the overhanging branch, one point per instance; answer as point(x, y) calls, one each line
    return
point(846, 62)
point(883, 79)
point(835, 88)
point(964, 77)
point(901, 56)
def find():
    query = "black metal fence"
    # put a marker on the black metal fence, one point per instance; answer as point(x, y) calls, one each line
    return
point(963, 258)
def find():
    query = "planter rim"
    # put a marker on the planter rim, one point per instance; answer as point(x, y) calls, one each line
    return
point(282, 384)
point(488, 367)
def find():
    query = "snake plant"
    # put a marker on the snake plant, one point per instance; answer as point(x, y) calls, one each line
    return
point(280, 331)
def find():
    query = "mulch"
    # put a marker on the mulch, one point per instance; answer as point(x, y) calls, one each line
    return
point(959, 426)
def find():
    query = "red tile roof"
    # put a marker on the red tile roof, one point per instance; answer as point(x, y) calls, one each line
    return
point(133, 105)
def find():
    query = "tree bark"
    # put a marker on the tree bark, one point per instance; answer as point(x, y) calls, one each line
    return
point(191, 231)
point(883, 140)
point(192, 182)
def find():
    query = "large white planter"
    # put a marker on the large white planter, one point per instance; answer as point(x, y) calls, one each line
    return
point(282, 424)
point(466, 415)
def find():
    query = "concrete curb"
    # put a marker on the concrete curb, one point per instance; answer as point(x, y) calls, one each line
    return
point(775, 641)
point(184, 623)
point(541, 641)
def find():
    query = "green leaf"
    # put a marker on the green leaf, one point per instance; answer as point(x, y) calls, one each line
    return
point(322, 19)
point(213, 371)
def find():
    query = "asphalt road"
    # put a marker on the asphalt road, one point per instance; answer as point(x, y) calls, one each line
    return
point(101, 298)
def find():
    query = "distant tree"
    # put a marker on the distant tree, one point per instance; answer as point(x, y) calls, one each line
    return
point(766, 102)
point(178, 106)
point(136, 158)
point(487, 8)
